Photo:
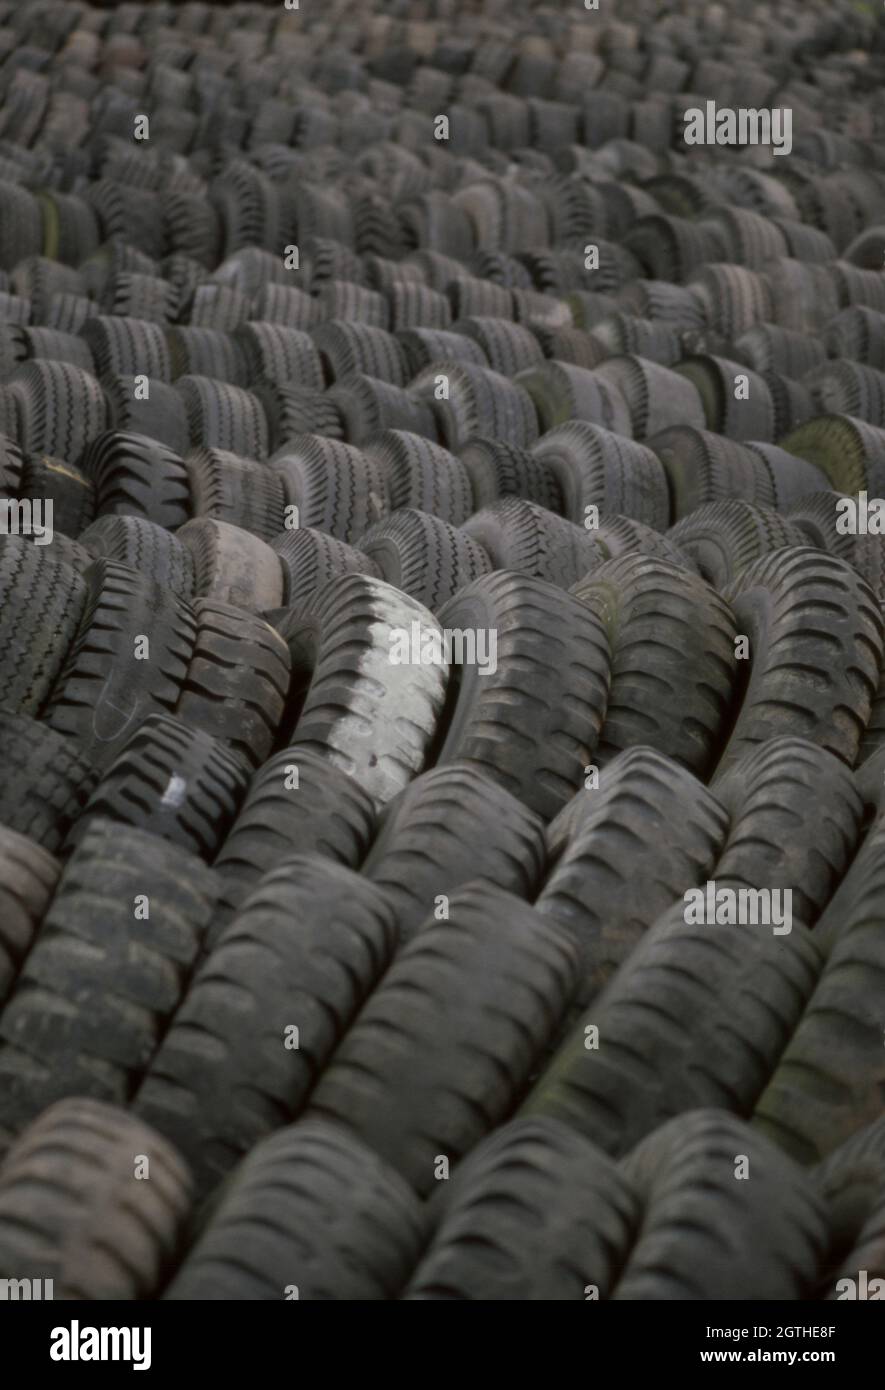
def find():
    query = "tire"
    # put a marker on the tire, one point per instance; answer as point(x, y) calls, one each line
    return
point(347, 349)
point(725, 538)
point(41, 603)
point(236, 491)
point(143, 546)
point(123, 346)
point(352, 704)
point(304, 1205)
point(501, 980)
point(292, 410)
point(336, 488)
point(597, 889)
point(656, 397)
point(232, 566)
point(423, 475)
point(480, 401)
point(497, 470)
point(100, 984)
point(705, 1236)
point(174, 782)
point(310, 559)
point(105, 690)
point(562, 393)
point(162, 417)
point(849, 452)
point(327, 814)
point(507, 347)
point(281, 355)
point(449, 826)
point(423, 556)
point(850, 1184)
point(223, 1076)
point(424, 346)
point(71, 1213)
point(207, 352)
point(72, 495)
point(29, 877)
point(220, 416)
point(534, 1213)
point(673, 667)
point(49, 783)
point(816, 651)
point(695, 1017)
point(716, 382)
point(519, 535)
point(796, 820)
point(61, 408)
point(367, 406)
point(531, 721)
point(134, 475)
point(828, 1082)
point(596, 468)
point(237, 680)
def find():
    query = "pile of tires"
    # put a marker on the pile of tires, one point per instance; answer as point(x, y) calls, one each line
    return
point(440, 565)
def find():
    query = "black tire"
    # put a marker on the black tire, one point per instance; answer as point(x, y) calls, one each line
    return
point(304, 1206)
point(828, 1084)
point(519, 535)
point(562, 392)
point(105, 689)
point(815, 635)
point(350, 700)
point(367, 406)
point(207, 352)
point(237, 491)
point(233, 566)
point(101, 982)
point(534, 1213)
point(49, 780)
point(144, 546)
point(162, 417)
point(220, 416)
point(123, 346)
point(656, 397)
point(305, 950)
point(673, 666)
point(349, 348)
point(135, 475)
point(850, 1184)
point(335, 487)
point(281, 355)
point(72, 1212)
point(424, 346)
point(449, 826)
point(423, 475)
point(532, 723)
point(597, 468)
point(72, 495)
point(850, 453)
point(178, 783)
point(294, 410)
point(424, 556)
point(237, 680)
point(796, 819)
point(725, 538)
point(61, 408)
point(597, 889)
point(501, 980)
point(327, 813)
point(41, 606)
point(479, 401)
point(696, 1016)
point(28, 878)
point(706, 1236)
point(507, 347)
point(498, 470)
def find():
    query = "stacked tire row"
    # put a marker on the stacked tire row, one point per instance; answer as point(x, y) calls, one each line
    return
point(329, 335)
